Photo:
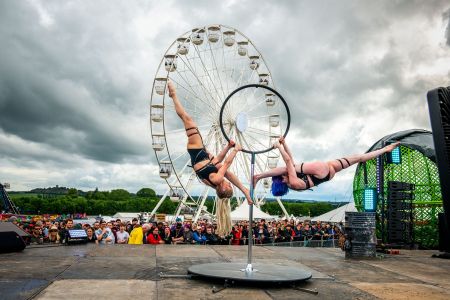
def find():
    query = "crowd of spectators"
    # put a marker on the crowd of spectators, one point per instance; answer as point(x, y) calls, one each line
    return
point(187, 232)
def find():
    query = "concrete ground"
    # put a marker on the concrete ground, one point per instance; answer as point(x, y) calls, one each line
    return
point(133, 271)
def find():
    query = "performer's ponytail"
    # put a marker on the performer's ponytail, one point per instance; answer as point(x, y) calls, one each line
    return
point(223, 210)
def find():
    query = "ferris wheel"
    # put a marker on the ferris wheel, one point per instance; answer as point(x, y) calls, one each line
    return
point(206, 64)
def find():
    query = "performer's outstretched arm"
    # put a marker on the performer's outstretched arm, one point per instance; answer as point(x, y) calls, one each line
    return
point(219, 158)
point(293, 180)
point(286, 148)
point(217, 178)
point(237, 183)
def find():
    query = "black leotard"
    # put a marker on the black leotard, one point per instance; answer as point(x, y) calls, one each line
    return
point(316, 181)
point(199, 155)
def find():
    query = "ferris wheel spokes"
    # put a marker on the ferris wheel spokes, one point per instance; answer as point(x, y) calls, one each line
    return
point(205, 71)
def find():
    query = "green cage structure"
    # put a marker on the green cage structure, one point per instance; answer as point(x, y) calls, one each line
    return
point(418, 167)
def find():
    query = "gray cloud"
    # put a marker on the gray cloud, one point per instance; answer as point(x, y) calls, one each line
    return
point(75, 78)
point(446, 18)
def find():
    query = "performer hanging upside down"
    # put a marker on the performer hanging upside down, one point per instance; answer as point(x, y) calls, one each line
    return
point(209, 169)
point(299, 177)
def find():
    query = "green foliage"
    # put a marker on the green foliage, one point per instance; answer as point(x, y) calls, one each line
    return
point(72, 193)
point(298, 209)
point(108, 203)
point(119, 195)
point(146, 193)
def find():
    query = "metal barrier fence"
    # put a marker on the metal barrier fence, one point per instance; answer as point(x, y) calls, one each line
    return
point(331, 242)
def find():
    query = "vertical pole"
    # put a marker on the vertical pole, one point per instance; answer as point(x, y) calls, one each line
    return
point(249, 267)
point(380, 190)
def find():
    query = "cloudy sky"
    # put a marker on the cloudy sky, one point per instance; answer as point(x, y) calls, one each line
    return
point(76, 76)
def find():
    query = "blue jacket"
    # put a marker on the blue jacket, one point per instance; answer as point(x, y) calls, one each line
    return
point(199, 238)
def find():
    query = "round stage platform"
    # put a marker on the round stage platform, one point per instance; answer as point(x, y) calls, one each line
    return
point(262, 273)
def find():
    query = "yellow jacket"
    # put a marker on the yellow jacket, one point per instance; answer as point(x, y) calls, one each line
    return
point(136, 236)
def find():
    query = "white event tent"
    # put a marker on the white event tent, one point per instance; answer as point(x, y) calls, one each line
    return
point(241, 213)
point(336, 215)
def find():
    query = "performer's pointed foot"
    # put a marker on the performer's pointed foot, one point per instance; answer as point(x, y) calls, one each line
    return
point(391, 147)
point(255, 180)
point(247, 196)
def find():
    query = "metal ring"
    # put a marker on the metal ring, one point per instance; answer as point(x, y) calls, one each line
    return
point(256, 86)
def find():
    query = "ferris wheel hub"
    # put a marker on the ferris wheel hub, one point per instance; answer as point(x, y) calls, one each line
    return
point(242, 121)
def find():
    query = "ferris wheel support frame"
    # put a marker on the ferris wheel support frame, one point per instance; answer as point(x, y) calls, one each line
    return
point(212, 76)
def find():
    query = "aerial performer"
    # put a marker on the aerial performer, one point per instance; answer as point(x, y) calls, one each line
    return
point(303, 176)
point(212, 171)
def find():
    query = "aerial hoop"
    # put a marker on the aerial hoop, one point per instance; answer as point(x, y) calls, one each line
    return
point(242, 121)
point(242, 118)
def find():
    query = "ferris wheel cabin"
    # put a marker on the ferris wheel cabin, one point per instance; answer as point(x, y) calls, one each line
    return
point(213, 33)
point(274, 120)
point(160, 85)
point(157, 113)
point(170, 62)
point(183, 46)
point(176, 194)
point(270, 101)
point(158, 142)
point(254, 62)
point(198, 35)
point(242, 48)
point(228, 38)
point(165, 169)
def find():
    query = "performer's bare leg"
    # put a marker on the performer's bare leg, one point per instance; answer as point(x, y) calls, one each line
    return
point(194, 140)
point(336, 166)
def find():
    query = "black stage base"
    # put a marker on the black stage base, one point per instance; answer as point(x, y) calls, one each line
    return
point(261, 274)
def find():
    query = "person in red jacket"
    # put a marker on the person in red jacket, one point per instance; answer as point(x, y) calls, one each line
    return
point(155, 238)
point(236, 235)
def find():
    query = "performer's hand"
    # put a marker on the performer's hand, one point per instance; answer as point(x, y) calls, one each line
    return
point(276, 145)
point(172, 90)
point(281, 140)
point(231, 144)
point(238, 148)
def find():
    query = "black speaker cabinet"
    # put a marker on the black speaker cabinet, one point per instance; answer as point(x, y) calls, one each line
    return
point(439, 106)
point(10, 241)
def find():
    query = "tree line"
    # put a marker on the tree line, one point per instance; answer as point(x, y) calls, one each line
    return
point(119, 200)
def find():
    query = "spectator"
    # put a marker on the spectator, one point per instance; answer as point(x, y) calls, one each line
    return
point(155, 238)
point(136, 235)
point(211, 237)
point(36, 234)
point(167, 237)
point(53, 235)
point(275, 235)
point(13, 219)
point(187, 234)
point(145, 232)
point(198, 236)
point(91, 238)
point(96, 226)
point(288, 233)
point(104, 234)
point(298, 236)
point(131, 227)
point(236, 235)
point(64, 232)
point(122, 235)
point(178, 234)
point(263, 222)
point(261, 234)
point(161, 228)
point(307, 231)
point(113, 229)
